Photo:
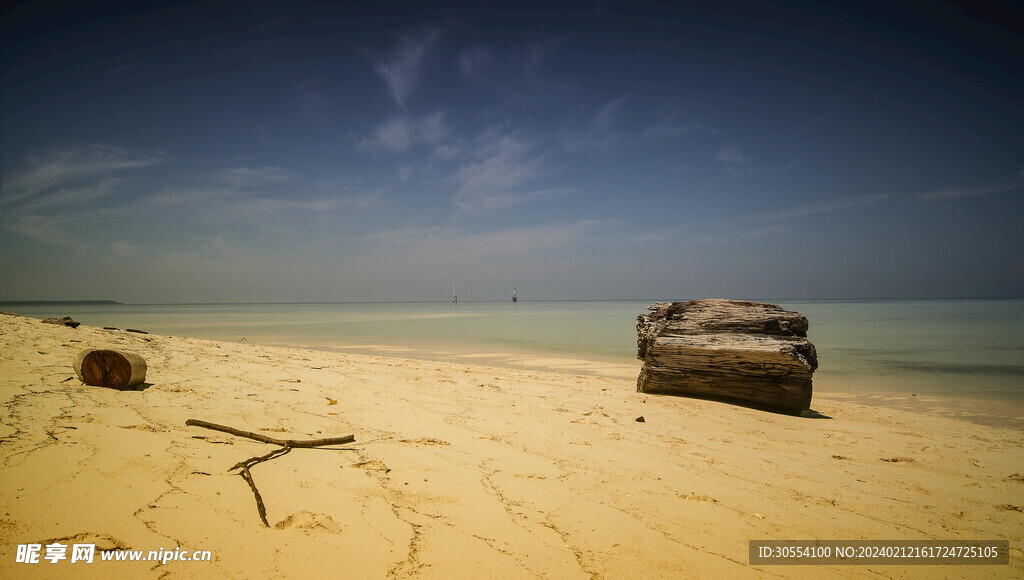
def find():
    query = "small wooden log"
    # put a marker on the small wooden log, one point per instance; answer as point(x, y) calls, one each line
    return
point(110, 368)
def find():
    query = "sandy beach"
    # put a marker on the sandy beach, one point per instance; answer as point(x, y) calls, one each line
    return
point(463, 471)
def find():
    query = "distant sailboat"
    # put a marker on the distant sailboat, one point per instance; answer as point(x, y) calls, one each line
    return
point(514, 297)
point(454, 297)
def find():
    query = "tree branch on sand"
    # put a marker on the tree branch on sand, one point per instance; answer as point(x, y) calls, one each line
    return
point(286, 446)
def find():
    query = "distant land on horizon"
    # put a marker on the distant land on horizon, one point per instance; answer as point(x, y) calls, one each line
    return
point(645, 299)
point(62, 302)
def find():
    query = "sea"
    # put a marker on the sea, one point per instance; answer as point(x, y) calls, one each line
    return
point(929, 355)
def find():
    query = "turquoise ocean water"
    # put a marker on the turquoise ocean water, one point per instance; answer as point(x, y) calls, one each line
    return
point(967, 349)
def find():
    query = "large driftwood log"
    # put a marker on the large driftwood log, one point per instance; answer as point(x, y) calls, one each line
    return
point(65, 321)
point(110, 368)
point(738, 351)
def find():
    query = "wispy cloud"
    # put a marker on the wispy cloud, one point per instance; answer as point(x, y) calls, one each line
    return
point(65, 197)
point(959, 193)
point(830, 206)
point(656, 236)
point(70, 167)
point(250, 191)
point(511, 242)
point(731, 154)
point(500, 174)
point(673, 126)
point(60, 229)
point(194, 196)
point(864, 201)
point(475, 61)
point(400, 134)
point(45, 229)
point(252, 177)
point(678, 236)
point(315, 204)
point(598, 131)
point(536, 54)
point(62, 188)
point(402, 68)
point(122, 248)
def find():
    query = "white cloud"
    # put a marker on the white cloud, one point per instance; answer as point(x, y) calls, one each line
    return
point(272, 206)
point(403, 133)
point(394, 135)
point(825, 207)
point(122, 248)
point(536, 54)
point(194, 196)
point(676, 236)
point(475, 61)
point(70, 167)
point(513, 242)
point(731, 154)
point(656, 236)
point(862, 201)
point(60, 230)
point(957, 193)
point(252, 177)
point(673, 126)
point(60, 189)
point(64, 197)
point(502, 172)
point(403, 67)
point(40, 228)
point(598, 133)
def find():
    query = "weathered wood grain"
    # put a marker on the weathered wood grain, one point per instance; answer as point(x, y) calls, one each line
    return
point(739, 351)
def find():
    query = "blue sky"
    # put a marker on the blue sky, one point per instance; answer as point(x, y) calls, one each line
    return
point(311, 151)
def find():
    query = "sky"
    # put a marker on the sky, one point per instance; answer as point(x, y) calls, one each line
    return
point(380, 151)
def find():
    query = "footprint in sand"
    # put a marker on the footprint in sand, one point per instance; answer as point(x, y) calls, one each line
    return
point(898, 460)
point(143, 427)
point(427, 441)
point(308, 521)
point(695, 497)
point(373, 465)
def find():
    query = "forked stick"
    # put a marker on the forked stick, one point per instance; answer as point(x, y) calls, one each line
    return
point(286, 446)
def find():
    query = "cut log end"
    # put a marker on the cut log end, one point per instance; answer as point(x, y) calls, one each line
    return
point(110, 368)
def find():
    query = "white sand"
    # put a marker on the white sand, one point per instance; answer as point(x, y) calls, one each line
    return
point(463, 471)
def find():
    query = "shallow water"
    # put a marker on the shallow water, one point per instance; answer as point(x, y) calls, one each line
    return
point(970, 349)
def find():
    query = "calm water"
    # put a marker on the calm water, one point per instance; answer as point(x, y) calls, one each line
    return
point(953, 348)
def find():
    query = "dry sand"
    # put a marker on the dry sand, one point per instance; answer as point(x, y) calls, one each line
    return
point(462, 471)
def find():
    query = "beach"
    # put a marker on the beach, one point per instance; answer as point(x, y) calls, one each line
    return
point(464, 471)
